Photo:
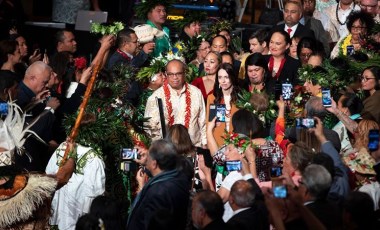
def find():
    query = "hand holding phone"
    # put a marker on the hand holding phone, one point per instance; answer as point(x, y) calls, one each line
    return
point(279, 189)
point(326, 98)
point(286, 91)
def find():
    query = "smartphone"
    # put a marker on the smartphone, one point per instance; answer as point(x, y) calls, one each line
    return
point(326, 98)
point(212, 112)
point(350, 50)
point(233, 166)
point(3, 109)
point(279, 189)
point(221, 113)
point(129, 154)
point(308, 123)
point(277, 91)
point(275, 172)
point(373, 140)
point(286, 91)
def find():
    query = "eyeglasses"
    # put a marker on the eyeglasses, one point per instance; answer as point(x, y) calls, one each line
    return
point(358, 27)
point(303, 55)
point(368, 6)
point(365, 79)
point(179, 74)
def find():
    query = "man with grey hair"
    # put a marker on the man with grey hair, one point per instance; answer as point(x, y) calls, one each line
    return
point(207, 211)
point(167, 191)
point(315, 108)
point(246, 215)
point(314, 187)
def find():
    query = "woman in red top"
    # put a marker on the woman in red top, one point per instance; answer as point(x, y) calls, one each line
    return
point(206, 83)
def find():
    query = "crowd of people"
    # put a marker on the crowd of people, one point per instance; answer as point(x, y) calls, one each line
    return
point(285, 135)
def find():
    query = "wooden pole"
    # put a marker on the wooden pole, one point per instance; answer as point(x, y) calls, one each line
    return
point(82, 108)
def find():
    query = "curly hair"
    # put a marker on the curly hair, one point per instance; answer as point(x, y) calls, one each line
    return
point(364, 18)
point(363, 130)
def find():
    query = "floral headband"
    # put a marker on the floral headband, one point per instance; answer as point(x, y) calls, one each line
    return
point(240, 141)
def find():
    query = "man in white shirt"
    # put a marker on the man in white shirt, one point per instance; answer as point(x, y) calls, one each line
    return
point(182, 104)
point(338, 14)
point(309, 10)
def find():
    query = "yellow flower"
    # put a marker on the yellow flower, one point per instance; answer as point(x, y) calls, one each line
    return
point(346, 42)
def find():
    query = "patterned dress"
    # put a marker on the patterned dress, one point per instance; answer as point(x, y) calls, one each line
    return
point(66, 10)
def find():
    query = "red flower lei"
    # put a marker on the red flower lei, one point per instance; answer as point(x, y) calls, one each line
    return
point(169, 105)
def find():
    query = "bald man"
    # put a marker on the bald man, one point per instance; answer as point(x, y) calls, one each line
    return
point(32, 98)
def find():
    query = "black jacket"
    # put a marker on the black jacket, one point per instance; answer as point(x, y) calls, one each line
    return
point(167, 191)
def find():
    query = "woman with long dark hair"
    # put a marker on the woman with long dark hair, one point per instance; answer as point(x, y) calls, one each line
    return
point(225, 92)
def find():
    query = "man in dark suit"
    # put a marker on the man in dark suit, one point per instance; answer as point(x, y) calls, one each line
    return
point(167, 191)
point(128, 44)
point(246, 214)
point(292, 15)
point(207, 211)
point(314, 187)
point(32, 98)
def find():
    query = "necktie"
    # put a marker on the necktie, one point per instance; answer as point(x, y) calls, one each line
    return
point(289, 31)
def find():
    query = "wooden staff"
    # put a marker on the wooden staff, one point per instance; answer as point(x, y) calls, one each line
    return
point(82, 108)
point(97, 63)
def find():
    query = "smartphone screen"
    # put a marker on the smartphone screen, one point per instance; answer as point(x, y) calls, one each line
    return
point(233, 165)
point(308, 123)
point(326, 97)
point(279, 189)
point(373, 140)
point(286, 91)
point(221, 113)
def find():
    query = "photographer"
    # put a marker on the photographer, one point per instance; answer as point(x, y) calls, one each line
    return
point(315, 108)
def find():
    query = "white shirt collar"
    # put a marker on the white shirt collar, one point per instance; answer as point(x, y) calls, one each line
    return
point(350, 8)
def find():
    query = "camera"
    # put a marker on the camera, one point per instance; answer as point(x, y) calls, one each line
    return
point(305, 123)
point(233, 166)
point(129, 154)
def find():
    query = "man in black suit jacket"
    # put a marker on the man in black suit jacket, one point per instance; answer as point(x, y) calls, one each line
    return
point(32, 98)
point(314, 187)
point(207, 211)
point(167, 191)
point(292, 15)
point(247, 215)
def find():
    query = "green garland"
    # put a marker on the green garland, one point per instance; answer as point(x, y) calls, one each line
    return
point(241, 142)
point(143, 8)
point(219, 26)
point(97, 28)
point(266, 116)
point(190, 17)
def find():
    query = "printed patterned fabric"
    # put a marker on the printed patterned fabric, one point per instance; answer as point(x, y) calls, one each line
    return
point(66, 10)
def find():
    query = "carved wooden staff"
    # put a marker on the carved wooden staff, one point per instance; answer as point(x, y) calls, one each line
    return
point(86, 97)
